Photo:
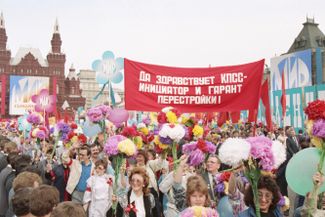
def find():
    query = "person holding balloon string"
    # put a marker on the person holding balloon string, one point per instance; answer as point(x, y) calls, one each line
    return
point(314, 205)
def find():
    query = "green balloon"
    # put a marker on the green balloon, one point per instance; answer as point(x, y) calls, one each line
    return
point(300, 170)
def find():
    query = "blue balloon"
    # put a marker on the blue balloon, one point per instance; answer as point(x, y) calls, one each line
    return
point(108, 55)
point(224, 207)
point(101, 78)
point(23, 125)
point(90, 129)
point(120, 62)
point(96, 64)
point(117, 78)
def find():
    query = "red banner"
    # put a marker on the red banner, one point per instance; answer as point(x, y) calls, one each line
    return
point(227, 88)
point(3, 93)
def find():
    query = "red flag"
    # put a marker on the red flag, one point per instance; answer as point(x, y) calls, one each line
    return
point(252, 115)
point(223, 117)
point(283, 97)
point(266, 102)
point(235, 116)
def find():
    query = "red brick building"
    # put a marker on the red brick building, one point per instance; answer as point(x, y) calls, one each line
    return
point(29, 62)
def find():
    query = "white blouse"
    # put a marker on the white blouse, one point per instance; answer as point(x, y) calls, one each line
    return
point(139, 205)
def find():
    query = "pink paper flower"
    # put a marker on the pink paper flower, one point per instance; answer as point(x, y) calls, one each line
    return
point(44, 101)
point(95, 114)
point(261, 150)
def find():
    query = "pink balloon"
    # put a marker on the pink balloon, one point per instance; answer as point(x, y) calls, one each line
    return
point(118, 116)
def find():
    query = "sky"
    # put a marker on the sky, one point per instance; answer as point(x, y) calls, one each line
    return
point(182, 33)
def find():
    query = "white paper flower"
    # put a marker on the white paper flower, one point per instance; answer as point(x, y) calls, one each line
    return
point(174, 131)
point(167, 109)
point(233, 151)
point(279, 153)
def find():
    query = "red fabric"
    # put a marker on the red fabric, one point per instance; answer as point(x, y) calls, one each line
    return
point(52, 175)
point(223, 117)
point(266, 102)
point(222, 89)
point(283, 97)
point(66, 196)
point(235, 116)
point(3, 93)
point(252, 115)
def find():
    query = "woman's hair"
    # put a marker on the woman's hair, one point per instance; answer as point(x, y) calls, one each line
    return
point(268, 183)
point(68, 209)
point(197, 184)
point(45, 198)
point(144, 154)
point(101, 162)
point(142, 172)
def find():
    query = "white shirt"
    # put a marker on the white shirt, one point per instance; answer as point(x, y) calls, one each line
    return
point(139, 205)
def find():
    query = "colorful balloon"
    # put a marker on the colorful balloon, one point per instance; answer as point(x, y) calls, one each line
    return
point(300, 170)
point(118, 116)
point(90, 129)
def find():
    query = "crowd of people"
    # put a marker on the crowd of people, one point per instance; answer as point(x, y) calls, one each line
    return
point(37, 180)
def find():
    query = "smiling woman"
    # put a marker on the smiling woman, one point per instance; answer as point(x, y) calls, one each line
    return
point(269, 196)
point(137, 200)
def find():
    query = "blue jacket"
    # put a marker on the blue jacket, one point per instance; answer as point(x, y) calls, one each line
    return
point(250, 212)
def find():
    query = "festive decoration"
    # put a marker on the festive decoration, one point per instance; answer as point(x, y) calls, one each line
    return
point(198, 211)
point(198, 151)
point(174, 132)
point(118, 116)
point(300, 180)
point(130, 208)
point(90, 129)
point(279, 153)
point(34, 118)
point(198, 131)
point(108, 71)
point(169, 115)
point(284, 203)
point(119, 147)
point(44, 102)
point(316, 114)
point(221, 186)
point(315, 110)
point(261, 152)
point(233, 151)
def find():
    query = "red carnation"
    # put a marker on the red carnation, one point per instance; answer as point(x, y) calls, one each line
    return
point(225, 176)
point(202, 145)
point(82, 138)
point(129, 132)
point(177, 113)
point(158, 149)
point(70, 135)
point(162, 118)
point(73, 126)
point(315, 110)
point(150, 138)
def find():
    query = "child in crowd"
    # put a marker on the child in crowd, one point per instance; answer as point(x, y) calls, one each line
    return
point(98, 195)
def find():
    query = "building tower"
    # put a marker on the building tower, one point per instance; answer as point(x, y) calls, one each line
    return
point(56, 61)
point(5, 54)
